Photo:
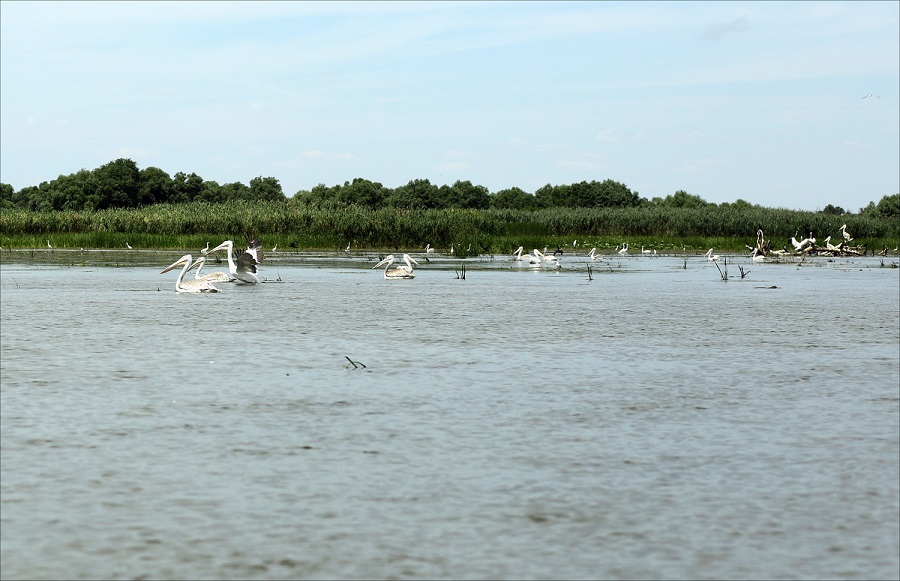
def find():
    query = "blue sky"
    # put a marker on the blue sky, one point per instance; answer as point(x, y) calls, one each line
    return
point(761, 101)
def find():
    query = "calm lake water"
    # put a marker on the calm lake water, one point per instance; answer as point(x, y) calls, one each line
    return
point(654, 422)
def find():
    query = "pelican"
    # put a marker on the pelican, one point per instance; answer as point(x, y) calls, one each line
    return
point(710, 256)
point(542, 257)
point(400, 272)
point(593, 254)
point(847, 237)
point(624, 250)
point(517, 255)
point(217, 276)
point(246, 266)
point(428, 248)
point(645, 251)
point(205, 250)
point(798, 246)
point(190, 286)
point(830, 246)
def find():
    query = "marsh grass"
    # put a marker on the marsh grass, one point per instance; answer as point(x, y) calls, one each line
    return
point(468, 232)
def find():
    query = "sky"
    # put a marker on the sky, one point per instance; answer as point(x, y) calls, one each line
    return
point(759, 101)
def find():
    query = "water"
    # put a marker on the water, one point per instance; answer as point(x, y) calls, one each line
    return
point(654, 422)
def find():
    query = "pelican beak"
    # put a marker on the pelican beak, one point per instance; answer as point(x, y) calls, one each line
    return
point(168, 268)
point(221, 246)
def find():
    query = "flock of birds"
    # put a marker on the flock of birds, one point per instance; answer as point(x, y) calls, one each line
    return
point(242, 269)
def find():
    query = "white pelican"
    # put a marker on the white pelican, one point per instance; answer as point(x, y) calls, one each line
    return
point(400, 272)
point(517, 255)
point(217, 276)
point(593, 254)
point(428, 248)
point(624, 249)
point(710, 256)
point(542, 257)
point(645, 251)
point(246, 266)
point(830, 246)
point(190, 286)
point(847, 237)
point(798, 246)
point(205, 250)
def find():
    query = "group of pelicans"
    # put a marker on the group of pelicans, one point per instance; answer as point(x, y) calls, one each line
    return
point(242, 269)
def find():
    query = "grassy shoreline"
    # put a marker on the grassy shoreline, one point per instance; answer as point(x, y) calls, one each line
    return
point(467, 232)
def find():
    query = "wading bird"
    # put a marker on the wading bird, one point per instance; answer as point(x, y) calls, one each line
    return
point(205, 250)
point(48, 245)
point(400, 272)
point(428, 249)
point(624, 250)
point(246, 266)
point(710, 256)
point(189, 286)
point(128, 245)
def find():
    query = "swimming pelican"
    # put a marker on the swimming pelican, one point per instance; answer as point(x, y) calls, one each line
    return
point(190, 286)
point(542, 257)
point(710, 256)
point(246, 266)
point(217, 276)
point(847, 237)
point(400, 272)
point(624, 250)
point(205, 250)
point(517, 255)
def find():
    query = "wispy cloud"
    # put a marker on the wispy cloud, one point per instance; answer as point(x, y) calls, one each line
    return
point(715, 31)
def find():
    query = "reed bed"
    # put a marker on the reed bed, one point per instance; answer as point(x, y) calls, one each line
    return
point(468, 231)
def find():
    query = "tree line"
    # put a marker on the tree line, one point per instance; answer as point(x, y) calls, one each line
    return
point(121, 184)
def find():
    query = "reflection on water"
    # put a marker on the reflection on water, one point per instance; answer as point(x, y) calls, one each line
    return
point(653, 422)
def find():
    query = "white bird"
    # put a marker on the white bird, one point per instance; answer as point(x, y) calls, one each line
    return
point(190, 286)
point(246, 266)
point(348, 247)
point(48, 245)
point(542, 257)
point(593, 254)
point(517, 255)
point(128, 245)
point(645, 251)
point(428, 248)
point(217, 276)
point(798, 246)
point(624, 249)
point(847, 237)
point(274, 248)
point(400, 272)
point(759, 258)
point(205, 250)
point(710, 256)
point(829, 245)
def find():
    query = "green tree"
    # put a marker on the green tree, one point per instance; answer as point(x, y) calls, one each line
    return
point(463, 194)
point(155, 187)
point(7, 193)
point(889, 206)
point(119, 183)
point(263, 189)
point(513, 199)
point(418, 194)
point(362, 192)
point(185, 188)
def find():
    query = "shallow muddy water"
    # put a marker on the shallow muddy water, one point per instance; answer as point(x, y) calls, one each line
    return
point(653, 422)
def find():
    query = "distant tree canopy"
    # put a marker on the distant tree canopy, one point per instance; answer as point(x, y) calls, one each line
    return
point(121, 184)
